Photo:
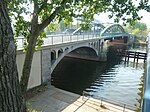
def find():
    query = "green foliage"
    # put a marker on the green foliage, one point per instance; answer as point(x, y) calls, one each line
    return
point(39, 41)
point(127, 10)
point(140, 26)
point(138, 29)
point(64, 10)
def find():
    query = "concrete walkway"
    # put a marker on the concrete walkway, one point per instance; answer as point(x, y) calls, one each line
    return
point(57, 100)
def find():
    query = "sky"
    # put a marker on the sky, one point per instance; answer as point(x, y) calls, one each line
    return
point(103, 17)
point(146, 15)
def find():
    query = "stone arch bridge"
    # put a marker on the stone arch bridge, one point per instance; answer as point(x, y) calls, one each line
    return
point(87, 45)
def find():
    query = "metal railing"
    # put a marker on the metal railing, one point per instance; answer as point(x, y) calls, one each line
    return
point(113, 104)
point(60, 39)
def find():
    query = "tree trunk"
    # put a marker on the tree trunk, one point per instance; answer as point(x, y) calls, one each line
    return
point(29, 56)
point(27, 64)
point(34, 33)
point(11, 99)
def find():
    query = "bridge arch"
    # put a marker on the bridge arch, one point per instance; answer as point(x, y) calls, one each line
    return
point(85, 50)
point(95, 26)
point(114, 30)
point(92, 50)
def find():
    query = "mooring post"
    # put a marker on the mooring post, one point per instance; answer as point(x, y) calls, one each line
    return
point(137, 56)
point(145, 57)
point(134, 56)
point(128, 54)
point(125, 56)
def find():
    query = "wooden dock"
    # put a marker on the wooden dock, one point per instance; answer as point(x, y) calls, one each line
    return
point(136, 55)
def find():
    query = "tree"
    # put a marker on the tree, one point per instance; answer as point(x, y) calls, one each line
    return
point(140, 26)
point(44, 12)
point(11, 99)
point(138, 29)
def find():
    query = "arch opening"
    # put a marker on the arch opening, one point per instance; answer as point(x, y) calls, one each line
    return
point(66, 48)
point(60, 51)
point(53, 56)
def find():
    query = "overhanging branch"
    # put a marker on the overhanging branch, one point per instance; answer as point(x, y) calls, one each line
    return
point(49, 19)
point(42, 6)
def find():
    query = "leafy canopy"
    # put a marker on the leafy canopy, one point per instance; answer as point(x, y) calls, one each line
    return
point(138, 29)
point(48, 12)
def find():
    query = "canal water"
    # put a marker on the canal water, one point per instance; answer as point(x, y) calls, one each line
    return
point(115, 80)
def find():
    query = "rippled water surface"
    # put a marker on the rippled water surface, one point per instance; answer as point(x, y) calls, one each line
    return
point(113, 79)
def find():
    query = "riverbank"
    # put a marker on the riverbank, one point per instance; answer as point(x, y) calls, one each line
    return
point(56, 100)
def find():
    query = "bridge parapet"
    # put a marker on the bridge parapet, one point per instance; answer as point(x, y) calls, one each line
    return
point(61, 39)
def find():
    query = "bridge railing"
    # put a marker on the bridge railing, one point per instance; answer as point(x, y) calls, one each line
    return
point(61, 38)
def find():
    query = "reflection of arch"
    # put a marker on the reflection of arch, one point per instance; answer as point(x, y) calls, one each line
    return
point(53, 55)
point(60, 51)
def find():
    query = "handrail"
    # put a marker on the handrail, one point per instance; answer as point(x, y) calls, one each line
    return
point(146, 97)
point(60, 39)
point(113, 102)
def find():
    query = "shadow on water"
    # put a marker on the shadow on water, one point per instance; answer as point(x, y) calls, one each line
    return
point(112, 79)
point(76, 75)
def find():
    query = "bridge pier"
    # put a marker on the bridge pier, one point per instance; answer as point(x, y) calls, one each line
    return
point(102, 51)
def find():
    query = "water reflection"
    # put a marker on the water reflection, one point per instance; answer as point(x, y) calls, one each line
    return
point(113, 79)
